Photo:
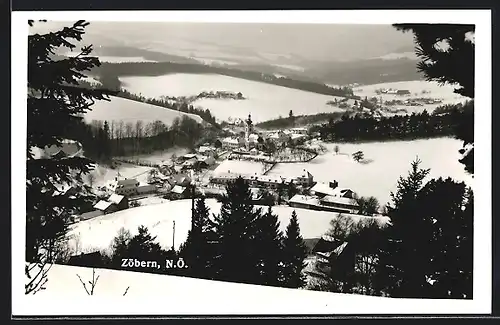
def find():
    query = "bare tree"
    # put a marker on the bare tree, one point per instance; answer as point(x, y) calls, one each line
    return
point(37, 279)
point(93, 283)
point(129, 130)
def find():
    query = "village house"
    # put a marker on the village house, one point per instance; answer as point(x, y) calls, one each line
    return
point(120, 201)
point(302, 131)
point(145, 188)
point(280, 137)
point(126, 187)
point(179, 192)
point(271, 182)
point(131, 186)
point(306, 179)
point(179, 179)
point(106, 207)
point(230, 143)
point(403, 92)
point(334, 198)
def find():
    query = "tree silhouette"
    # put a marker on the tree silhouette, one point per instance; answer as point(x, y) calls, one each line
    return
point(55, 101)
point(198, 250)
point(237, 257)
point(358, 156)
point(294, 253)
point(446, 53)
point(269, 249)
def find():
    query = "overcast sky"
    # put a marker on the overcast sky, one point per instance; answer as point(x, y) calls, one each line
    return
point(312, 41)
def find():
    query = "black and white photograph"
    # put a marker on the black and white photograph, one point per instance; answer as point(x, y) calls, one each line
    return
point(225, 163)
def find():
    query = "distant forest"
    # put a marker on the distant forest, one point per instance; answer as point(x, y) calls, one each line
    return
point(109, 73)
point(447, 120)
point(299, 120)
point(103, 140)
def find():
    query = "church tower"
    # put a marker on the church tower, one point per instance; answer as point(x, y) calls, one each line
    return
point(248, 131)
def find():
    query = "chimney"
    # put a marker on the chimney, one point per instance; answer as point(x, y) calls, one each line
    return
point(334, 184)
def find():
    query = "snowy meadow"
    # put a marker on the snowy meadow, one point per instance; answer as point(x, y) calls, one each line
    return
point(264, 101)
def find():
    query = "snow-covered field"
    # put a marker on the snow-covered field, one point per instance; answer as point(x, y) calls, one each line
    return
point(264, 101)
point(121, 109)
point(179, 295)
point(416, 87)
point(240, 167)
point(390, 160)
point(98, 233)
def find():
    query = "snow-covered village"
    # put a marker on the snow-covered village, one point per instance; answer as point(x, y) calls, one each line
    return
point(170, 167)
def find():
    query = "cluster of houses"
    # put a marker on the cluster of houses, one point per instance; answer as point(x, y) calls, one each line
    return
point(390, 91)
point(253, 141)
point(327, 197)
point(265, 181)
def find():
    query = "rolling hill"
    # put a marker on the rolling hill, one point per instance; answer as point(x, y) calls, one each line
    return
point(120, 109)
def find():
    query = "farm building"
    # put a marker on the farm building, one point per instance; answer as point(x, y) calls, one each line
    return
point(403, 92)
point(126, 187)
point(146, 188)
point(179, 192)
point(233, 142)
point(106, 207)
point(326, 203)
point(331, 189)
point(305, 179)
point(120, 201)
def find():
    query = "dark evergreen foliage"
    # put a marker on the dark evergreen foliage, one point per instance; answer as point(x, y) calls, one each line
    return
point(199, 249)
point(294, 253)
point(428, 250)
point(55, 101)
point(237, 255)
point(398, 127)
point(446, 53)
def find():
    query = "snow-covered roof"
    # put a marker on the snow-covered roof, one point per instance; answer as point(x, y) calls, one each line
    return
point(339, 200)
point(304, 199)
point(204, 149)
point(306, 174)
point(230, 140)
point(116, 198)
point(189, 155)
point(326, 189)
point(178, 189)
point(102, 205)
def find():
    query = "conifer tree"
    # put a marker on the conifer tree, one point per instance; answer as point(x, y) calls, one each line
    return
point(294, 253)
point(237, 258)
point(269, 249)
point(55, 102)
point(144, 247)
point(446, 53)
point(198, 250)
point(448, 213)
point(399, 257)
